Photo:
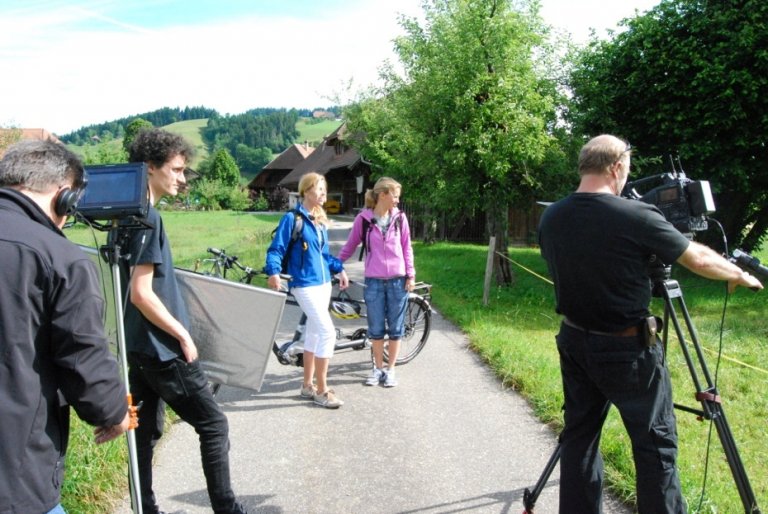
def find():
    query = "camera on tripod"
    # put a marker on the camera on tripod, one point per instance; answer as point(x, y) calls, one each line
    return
point(684, 202)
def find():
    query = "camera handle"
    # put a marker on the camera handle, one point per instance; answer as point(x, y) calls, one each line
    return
point(111, 252)
point(712, 409)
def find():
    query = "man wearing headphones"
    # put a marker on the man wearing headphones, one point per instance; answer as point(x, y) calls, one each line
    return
point(52, 345)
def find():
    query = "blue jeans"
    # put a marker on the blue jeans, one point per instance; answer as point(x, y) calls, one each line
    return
point(385, 301)
point(58, 509)
point(598, 371)
point(184, 387)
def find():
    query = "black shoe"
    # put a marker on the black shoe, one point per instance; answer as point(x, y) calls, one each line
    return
point(239, 509)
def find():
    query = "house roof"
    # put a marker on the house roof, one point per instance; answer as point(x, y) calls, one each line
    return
point(27, 133)
point(290, 157)
point(38, 133)
point(281, 165)
point(325, 158)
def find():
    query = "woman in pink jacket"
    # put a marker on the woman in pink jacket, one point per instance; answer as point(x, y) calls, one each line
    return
point(389, 273)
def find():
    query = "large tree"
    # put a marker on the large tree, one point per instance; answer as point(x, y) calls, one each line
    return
point(466, 124)
point(690, 79)
point(132, 130)
point(224, 169)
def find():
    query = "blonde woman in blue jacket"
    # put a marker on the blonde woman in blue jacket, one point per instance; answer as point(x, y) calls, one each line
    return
point(311, 267)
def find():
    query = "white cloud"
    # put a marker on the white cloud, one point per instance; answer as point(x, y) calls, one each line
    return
point(61, 77)
point(59, 73)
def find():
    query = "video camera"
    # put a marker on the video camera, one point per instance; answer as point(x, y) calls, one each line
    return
point(683, 202)
point(114, 192)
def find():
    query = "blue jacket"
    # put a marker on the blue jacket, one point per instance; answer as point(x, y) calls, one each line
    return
point(310, 262)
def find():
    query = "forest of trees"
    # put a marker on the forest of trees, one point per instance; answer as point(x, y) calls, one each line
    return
point(251, 138)
point(116, 129)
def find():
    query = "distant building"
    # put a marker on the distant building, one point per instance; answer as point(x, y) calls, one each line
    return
point(9, 136)
point(271, 174)
point(323, 115)
point(345, 171)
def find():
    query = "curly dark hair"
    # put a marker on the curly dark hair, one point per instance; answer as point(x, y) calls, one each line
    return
point(157, 146)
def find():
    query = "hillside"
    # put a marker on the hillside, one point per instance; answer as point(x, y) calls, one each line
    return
point(309, 131)
point(190, 130)
point(313, 133)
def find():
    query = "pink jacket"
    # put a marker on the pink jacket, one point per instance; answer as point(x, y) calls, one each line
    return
point(386, 255)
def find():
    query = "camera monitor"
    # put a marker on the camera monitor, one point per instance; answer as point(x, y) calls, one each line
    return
point(115, 191)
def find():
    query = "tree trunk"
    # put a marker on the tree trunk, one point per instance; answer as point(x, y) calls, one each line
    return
point(497, 222)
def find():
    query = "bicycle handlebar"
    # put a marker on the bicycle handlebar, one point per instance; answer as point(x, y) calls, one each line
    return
point(230, 260)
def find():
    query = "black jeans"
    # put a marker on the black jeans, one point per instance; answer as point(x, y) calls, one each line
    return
point(184, 388)
point(601, 370)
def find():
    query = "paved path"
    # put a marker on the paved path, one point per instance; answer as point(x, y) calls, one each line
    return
point(448, 439)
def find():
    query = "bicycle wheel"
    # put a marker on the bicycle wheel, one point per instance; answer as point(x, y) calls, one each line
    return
point(418, 321)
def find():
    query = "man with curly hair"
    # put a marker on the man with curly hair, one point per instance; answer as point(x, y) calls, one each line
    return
point(164, 365)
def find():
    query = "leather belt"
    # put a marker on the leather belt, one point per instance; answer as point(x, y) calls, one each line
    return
point(627, 332)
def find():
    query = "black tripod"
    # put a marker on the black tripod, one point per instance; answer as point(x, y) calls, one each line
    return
point(706, 391)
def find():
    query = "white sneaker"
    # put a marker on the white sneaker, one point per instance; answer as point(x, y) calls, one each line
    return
point(389, 378)
point(328, 400)
point(375, 378)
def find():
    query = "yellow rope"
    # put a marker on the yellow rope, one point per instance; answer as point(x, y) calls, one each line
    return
point(736, 361)
point(545, 279)
point(731, 359)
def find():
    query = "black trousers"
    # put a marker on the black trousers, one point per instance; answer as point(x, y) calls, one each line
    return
point(184, 387)
point(598, 371)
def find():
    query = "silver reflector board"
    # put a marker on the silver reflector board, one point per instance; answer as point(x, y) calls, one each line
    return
point(232, 324)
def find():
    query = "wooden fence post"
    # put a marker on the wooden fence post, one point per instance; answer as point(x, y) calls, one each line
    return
point(489, 270)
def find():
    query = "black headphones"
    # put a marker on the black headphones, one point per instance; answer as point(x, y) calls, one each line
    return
point(66, 201)
point(67, 198)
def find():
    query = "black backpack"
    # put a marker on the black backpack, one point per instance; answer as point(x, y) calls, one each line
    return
point(368, 226)
point(298, 226)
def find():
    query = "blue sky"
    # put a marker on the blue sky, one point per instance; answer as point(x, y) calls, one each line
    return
point(70, 63)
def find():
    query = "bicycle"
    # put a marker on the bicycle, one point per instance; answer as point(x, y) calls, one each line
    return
point(418, 316)
point(418, 323)
point(221, 264)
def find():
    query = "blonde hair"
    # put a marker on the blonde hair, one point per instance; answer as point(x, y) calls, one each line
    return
point(383, 185)
point(307, 182)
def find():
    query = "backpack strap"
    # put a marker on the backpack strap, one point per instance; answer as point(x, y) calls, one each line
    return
point(366, 229)
point(368, 226)
point(298, 227)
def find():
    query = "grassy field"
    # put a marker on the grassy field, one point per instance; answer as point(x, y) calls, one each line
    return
point(315, 132)
point(190, 130)
point(515, 335)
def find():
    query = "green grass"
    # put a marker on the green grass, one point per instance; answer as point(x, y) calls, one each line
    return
point(190, 130)
point(315, 132)
point(515, 335)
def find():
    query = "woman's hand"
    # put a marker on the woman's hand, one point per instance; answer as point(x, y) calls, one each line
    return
point(410, 283)
point(343, 280)
point(274, 282)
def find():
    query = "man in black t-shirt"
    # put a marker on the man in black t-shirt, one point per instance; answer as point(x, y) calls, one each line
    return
point(164, 365)
point(598, 246)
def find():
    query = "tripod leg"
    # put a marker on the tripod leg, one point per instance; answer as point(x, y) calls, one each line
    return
point(709, 397)
point(530, 496)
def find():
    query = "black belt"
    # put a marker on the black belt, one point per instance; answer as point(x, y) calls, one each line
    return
point(627, 332)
